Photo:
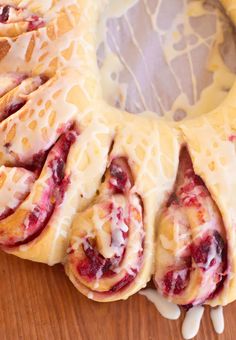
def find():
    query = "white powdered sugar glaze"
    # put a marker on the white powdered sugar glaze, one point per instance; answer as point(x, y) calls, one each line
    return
point(166, 308)
point(90, 295)
point(217, 318)
point(192, 322)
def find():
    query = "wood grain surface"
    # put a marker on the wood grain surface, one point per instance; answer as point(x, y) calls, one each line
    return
point(39, 302)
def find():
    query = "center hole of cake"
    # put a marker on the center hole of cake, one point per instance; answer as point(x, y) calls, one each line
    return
point(176, 58)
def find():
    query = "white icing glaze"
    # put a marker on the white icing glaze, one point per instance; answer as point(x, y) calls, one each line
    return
point(192, 322)
point(90, 295)
point(193, 317)
point(217, 318)
point(15, 184)
point(35, 107)
point(8, 81)
point(166, 308)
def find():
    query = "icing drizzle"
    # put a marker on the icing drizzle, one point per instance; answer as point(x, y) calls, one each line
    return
point(193, 316)
point(130, 82)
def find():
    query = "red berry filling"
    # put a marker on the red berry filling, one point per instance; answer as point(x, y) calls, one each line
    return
point(191, 190)
point(120, 176)
point(232, 138)
point(4, 16)
point(94, 263)
point(192, 203)
point(190, 187)
point(175, 281)
point(57, 170)
point(58, 163)
point(35, 23)
point(95, 266)
point(206, 250)
point(118, 214)
point(12, 108)
point(6, 213)
point(10, 14)
point(123, 283)
point(53, 193)
point(173, 200)
point(38, 161)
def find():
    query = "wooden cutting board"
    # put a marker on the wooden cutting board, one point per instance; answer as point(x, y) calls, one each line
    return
point(39, 302)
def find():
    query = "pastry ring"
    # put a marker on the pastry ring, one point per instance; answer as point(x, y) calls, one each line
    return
point(117, 198)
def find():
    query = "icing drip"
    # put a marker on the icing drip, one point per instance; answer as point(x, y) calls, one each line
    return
point(192, 322)
point(217, 318)
point(166, 308)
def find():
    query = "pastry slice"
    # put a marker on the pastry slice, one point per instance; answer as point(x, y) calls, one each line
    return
point(106, 251)
point(110, 255)
point(195, 252)
point(191, 248)
point(36, 216)
point(211, 143)
point(47, 193)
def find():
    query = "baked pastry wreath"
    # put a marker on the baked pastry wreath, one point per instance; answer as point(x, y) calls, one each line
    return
point(117, 198)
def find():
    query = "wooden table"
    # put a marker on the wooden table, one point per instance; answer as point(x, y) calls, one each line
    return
point(39, 302)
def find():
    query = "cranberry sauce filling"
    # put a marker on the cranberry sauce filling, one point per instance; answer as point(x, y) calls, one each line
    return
point(37, 160)
point(54, 190)
point(191, 188)
point(123, 282)
point(208, 252)
point(120, 176)
point(12, 108)
point(175, 281)
point(211, 252)
point(11, 14)
point(7, 212)
point(93, 265)
point(35, 23)
point(4, 16)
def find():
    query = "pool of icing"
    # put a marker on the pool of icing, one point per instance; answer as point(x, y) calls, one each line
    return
point(172, 57)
